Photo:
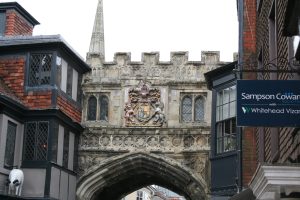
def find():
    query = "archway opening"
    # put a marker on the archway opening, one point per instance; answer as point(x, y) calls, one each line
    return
point(124, 174)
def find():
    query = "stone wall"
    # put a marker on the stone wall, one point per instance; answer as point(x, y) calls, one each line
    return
point(174, 79)
point(153, 86)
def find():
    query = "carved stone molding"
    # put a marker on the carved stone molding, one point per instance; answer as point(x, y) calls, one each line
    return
point(167, 142)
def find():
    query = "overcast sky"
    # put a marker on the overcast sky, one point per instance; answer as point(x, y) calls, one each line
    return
point(142, 25)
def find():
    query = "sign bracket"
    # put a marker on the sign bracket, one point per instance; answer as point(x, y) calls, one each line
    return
point(277, 65)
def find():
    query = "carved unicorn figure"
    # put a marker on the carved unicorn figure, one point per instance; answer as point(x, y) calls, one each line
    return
point(15, 181)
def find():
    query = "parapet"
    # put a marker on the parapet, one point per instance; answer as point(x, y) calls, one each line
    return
point(177, 57)
point(210, 57)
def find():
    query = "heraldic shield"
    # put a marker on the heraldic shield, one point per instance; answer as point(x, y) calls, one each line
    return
point(144, 107)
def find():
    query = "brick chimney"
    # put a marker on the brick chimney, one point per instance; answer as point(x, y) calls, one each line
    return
point(15, 20)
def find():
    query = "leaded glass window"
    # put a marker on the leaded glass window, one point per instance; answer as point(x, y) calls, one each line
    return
point(36, 140)
point(199, 109)
point(104, 108)
point(186, 109)
point(66, 149)
point(10, 145)
point(192, 108)
point(39, 69)
point(92, 108)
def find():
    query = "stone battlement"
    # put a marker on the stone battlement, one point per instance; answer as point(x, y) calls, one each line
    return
point(152, 58)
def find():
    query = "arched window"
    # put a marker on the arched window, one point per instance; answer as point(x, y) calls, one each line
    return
point(187, 107)
point(92, 108)
point(103, 108)
point(199, 109)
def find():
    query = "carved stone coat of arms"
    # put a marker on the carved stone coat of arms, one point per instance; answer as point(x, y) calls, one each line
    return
point(144, 107)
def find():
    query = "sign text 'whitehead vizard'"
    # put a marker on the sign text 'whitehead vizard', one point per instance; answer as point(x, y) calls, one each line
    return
point(268, 103)
point(144, 107)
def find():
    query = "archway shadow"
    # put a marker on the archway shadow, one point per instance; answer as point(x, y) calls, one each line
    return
point(121, 175)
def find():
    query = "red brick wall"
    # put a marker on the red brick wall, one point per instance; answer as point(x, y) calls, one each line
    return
point(12, 72)
point(16, 24)
point(287, 143)
point(249, 36)
point(249, 159)
point(69, 109)
point(13, 75)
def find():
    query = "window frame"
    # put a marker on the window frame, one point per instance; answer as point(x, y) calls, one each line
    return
point(66, 152)
point(194, 97)
point(221, 137)
point(226, 142)
point(28, 69)
point(2, 23)
point(63, 146)
point(98, 109)
point(103, 98)
point(94, 109)
point(68, 78)
point(11, 146)
point(195, 109)
point(35, 147)
point(58, 76)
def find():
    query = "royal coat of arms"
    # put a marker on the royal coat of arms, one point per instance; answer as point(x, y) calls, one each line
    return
point(144, 107)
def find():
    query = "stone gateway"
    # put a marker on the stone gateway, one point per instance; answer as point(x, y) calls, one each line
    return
point(145, 122)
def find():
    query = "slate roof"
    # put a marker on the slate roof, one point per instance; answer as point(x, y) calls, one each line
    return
point(20, 9)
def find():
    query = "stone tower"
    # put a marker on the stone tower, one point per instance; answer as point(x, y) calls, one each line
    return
point(145, 122)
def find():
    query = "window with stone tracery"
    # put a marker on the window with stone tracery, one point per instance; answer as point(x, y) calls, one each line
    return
point(97, 108)
point(103, 102)
point(192, 108)
point(92, 109)
point(199, 109)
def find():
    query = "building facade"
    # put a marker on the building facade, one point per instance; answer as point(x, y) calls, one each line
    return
point(40, 107)
point(225, 135)
point(269, 46)
point(84, 133)
point(146, 123)
point(267, 157)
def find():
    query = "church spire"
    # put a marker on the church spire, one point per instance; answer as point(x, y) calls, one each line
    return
point(97, 39)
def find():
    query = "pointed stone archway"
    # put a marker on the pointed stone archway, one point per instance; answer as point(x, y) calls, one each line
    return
point(120, 175)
